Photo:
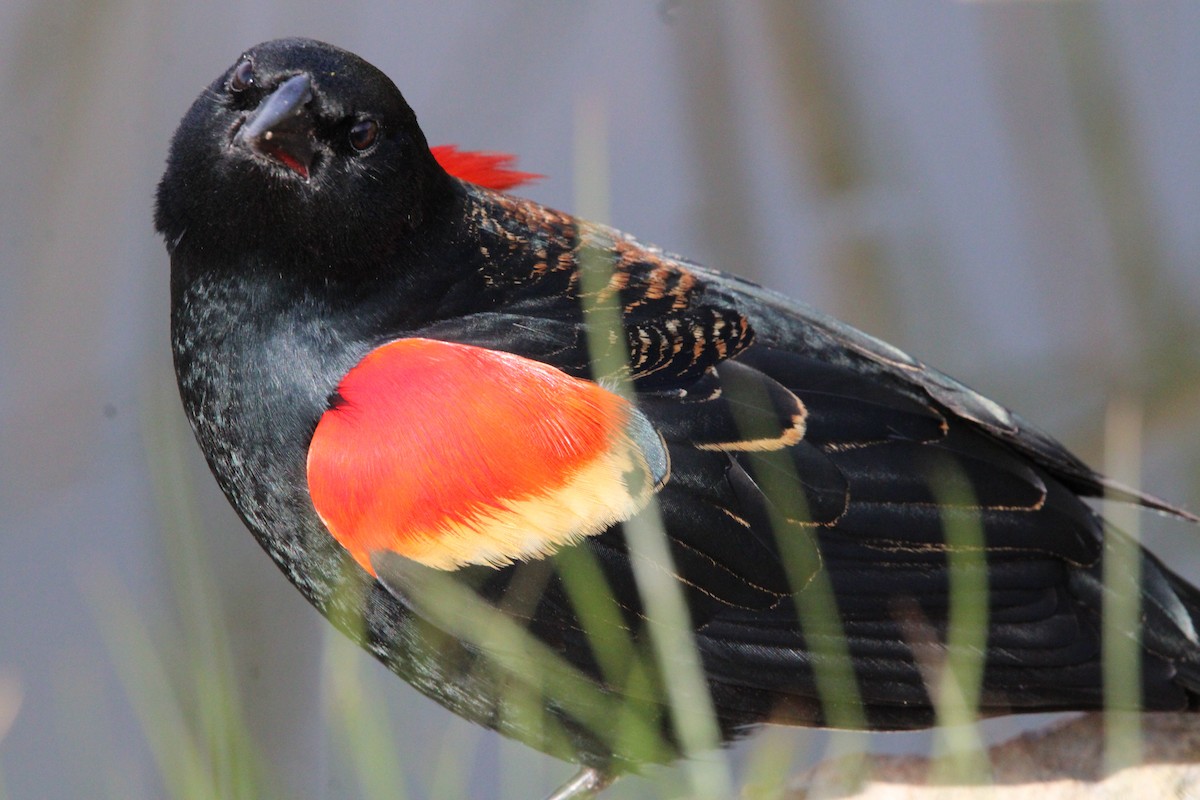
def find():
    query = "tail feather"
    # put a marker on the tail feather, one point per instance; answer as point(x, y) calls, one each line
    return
point(1171, 623)
point(1115, 490)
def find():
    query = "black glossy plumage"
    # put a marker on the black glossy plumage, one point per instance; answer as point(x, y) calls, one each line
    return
point(281, 284)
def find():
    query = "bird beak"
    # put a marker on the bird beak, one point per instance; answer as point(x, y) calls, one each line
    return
point(280, 129)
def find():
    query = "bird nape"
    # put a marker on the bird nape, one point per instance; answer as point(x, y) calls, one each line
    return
point(447, 431)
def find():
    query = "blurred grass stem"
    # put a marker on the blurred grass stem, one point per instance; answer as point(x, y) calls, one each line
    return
point(692, 712)
point(1122, 606)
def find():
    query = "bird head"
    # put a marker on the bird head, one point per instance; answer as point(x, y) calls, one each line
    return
point(298, 147)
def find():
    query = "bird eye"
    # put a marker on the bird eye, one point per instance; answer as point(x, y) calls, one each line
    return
point(363, 134)
point(243, 77)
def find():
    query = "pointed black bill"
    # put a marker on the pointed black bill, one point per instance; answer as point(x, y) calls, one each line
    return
point(280, 128)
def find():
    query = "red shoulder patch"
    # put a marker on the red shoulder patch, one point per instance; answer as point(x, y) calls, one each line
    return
point(489, 170)
point(451, 454)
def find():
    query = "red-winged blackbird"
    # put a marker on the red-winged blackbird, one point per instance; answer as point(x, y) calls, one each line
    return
point(392, 373)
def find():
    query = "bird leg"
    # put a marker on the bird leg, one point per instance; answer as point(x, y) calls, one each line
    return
point(583, 785)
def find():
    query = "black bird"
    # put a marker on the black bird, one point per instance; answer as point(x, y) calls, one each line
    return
point(414, 389)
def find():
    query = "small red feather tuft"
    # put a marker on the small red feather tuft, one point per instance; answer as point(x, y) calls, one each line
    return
point(450, 454)
point(489, 170)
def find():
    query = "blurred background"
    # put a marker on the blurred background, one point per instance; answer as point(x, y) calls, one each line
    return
point(1009, 191)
